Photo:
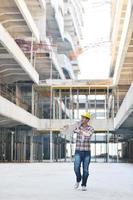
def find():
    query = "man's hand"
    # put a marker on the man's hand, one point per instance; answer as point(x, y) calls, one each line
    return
point(77, 130)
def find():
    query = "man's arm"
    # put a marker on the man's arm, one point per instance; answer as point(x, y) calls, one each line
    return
point(88, 132)
point(77, 128)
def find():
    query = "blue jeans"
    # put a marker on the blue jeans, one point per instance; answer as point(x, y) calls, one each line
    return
point(83, 157)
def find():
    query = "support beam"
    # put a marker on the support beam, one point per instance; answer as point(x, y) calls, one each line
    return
point(14, 112)
point(124, 42)
point(57, 125)
point(28, 18)
point(125, 110)
point(11, 46)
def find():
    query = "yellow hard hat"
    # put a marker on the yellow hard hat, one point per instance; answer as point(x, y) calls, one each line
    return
point(87, 115)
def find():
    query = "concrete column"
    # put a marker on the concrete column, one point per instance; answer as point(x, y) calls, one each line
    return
point(77, 104)
point(70, 146)
point(70, 107)
point(117, 149)
point(105, 106)
point(12, 141)
point(60, 104)
point(33, 100)
point(31, 148)
point(65, 107)
point(24, 153)
point(86, 103)
point(89, 99)
point(108, 126)
point(18, 95)
point(65, 146)
point(95, 105)
point(42, 146)
point(57, 108)
point(15, 148)
point(113, 107)
point(53, 104)
point(51, 146)
point(118, 101)
point(107, 147)
point(31, 51)
point(95, 147)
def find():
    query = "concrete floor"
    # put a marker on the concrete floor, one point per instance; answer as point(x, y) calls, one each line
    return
point(45, 181)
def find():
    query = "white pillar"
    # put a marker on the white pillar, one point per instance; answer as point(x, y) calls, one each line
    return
point(12, 141)
point(33, 100)
point(31, 147)
point(24, 148)
point(51, 146)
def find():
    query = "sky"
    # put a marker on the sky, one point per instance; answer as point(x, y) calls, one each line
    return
point(95, 61)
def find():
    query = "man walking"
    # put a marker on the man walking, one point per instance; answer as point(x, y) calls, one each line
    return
point(82, 152)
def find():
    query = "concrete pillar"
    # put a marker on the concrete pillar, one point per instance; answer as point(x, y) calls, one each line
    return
point(60, 104)
point(12, 141)
point(107, 147)
point(95, 147)
point(31, 51)
point(65, 107)
point(24, 153)
point(31, 148)
point(118, 101)
point(86, 103)
point(65, 147)
point(42, 147)
point(51, 146)
point(95, 105)
point(113, 106)
point(89, 103)
point(18, 95)
point(77, 104)
point(53, 104)
point(15, 148)
point(33, 101)
point(70, 107)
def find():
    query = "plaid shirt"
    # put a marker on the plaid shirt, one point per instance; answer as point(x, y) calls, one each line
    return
point(83, 137)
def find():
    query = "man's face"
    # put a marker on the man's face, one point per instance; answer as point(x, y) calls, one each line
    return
point(85, 120)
